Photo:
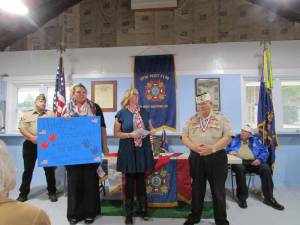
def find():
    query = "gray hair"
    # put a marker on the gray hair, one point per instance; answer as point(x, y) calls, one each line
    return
point(7, 170)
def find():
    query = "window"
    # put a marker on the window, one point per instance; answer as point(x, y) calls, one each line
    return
point(252, 94)
point(290, 94)
point(50, 95)
point(287, 108)
point(25, 101)
point(2, 107)
point(26, 97)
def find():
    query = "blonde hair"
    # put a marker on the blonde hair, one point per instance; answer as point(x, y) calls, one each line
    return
point(127, 94)
point(73, 88)
point(7, 170)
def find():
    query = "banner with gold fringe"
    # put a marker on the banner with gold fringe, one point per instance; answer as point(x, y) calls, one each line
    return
point(154, 77)
point(266, 115)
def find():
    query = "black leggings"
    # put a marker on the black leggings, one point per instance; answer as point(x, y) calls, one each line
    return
point(136, 180)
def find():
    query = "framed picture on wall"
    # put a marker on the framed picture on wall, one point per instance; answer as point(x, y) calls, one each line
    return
point(104, 93)
point(211, 86)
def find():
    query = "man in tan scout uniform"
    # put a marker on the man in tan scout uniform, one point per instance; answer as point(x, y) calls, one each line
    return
point(28, 128)
point(206, 134)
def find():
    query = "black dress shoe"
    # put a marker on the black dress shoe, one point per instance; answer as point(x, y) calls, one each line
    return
point(22, 198)
point(145, 215)
point(191, 220)
point(73, 221)
point(53, 197)
point(242, 204)
point(273, 203)
point(128, 220)
point(89, 220)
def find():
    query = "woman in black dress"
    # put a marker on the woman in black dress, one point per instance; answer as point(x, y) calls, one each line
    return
point(135, 157)
point(83, 180)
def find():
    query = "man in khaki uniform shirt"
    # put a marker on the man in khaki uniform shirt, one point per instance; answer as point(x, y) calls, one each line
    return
point(28, 128)
point(207, 134)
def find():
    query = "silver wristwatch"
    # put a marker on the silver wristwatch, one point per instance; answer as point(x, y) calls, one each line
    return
point(213, 149)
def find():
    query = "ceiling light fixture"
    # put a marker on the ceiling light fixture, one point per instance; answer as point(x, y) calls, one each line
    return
point(14, 6)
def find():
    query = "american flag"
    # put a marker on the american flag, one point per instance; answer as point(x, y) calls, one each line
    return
point(59, 99)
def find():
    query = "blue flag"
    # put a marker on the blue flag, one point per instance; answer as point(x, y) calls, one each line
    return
point(162, 186)
point(266, 115)
point(154, 77)
point(266, 121)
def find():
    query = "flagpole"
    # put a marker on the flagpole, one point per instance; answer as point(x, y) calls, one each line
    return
point(265, 43)
point(61, 49)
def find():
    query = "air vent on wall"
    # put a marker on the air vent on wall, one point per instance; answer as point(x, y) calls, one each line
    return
point(152, 4)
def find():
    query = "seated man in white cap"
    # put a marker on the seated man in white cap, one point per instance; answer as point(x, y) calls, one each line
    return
point(254, 154)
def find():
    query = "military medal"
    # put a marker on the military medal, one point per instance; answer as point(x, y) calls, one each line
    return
point(204, 124)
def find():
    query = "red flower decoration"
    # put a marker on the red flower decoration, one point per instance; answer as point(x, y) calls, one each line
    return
point(52, 137)
point(43, 145)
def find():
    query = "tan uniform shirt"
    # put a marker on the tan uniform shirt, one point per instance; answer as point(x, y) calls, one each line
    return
point(218, 127)
point(19, 213)
point(29, 119)
point(245, 152)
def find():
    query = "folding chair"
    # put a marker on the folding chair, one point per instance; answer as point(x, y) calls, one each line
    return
point(250, 178)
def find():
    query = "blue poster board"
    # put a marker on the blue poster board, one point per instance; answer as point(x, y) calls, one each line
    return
point(69, 141)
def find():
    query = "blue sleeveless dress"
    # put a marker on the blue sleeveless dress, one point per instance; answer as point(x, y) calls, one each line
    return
point(133, 159)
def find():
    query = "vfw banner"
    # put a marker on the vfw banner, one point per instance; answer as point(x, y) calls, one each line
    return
point(154, 77)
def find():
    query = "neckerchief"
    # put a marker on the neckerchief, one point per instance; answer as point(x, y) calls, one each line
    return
point(137, 119)
point(87, 109)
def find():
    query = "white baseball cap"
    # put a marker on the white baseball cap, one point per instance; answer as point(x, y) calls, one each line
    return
point(203, 97)
point(247, 128)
